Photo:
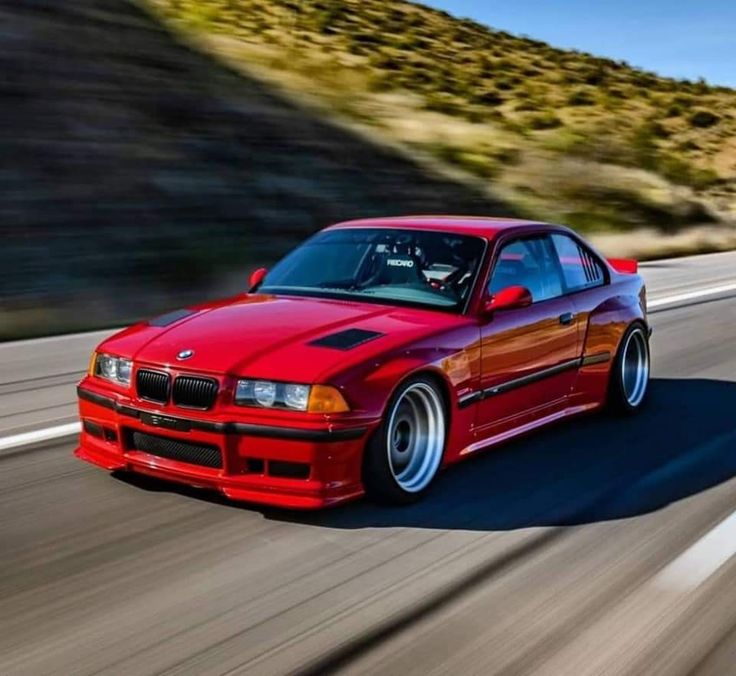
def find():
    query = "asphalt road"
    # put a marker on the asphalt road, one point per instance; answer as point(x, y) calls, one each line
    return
point(590, 548)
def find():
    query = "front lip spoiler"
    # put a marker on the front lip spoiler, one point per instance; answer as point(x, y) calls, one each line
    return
point(165, 421)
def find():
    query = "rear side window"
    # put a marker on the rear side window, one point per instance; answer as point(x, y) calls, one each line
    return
point(529, 262)
point(580, 268)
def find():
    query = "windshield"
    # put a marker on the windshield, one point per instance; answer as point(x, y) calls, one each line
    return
point(407, 267)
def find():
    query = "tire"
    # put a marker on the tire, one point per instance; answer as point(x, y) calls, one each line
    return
point(403, 456)
point(629, 381)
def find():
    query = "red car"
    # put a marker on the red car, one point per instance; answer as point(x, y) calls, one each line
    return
point(371, 356)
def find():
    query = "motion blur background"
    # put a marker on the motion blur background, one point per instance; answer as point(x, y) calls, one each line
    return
point(152, 153)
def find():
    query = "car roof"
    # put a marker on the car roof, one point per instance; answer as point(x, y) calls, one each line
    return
point(480, 226)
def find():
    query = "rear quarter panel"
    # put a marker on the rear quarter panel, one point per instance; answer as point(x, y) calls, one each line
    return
point(606, 313)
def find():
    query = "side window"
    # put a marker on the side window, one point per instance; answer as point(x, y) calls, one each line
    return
point(580, 268)
point(529, 262)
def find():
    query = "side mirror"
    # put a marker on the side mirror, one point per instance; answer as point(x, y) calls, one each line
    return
point(510, 298)
point(256, 277)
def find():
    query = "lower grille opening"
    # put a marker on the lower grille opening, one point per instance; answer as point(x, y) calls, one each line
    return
point(174, 449)
point(288, 470)
point(255, 465)
point(93, 428)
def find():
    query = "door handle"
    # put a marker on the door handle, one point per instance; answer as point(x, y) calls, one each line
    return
point(566, 318)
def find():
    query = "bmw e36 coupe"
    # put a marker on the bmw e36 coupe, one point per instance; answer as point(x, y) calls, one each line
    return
point(371, 356)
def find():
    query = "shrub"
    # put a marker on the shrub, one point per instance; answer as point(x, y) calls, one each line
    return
point(419, 76)
point(658, 130)
point(442, 103)
point(506, 155)
point(684, 100)
point(643, 80)
point(507, 83)
point(531, 71)
point(581, 97)
point(572, 77)
point(485, 67)
point(528, 105)
point(682, 172)
point(383, 82)
point(488, 97)
point(675, 169)
point(543, 121)
point(704, 118)
point(595, 76)
point(327, 18)
point(474, 163)
point(387, 62)
point(616, 93)
point(704, 178)
point(477, 115)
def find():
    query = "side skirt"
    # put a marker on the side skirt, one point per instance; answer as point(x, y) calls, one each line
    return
point(527, 427)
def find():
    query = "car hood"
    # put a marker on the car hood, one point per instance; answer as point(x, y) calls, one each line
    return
point(272, 337)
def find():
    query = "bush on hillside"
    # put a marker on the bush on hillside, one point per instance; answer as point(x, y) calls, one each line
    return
point(488, 97)
point(543, 121)
point(703, 119)
point(581, 97)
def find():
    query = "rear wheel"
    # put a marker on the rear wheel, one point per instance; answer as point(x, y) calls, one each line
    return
point(630, 374)
point(406, 451)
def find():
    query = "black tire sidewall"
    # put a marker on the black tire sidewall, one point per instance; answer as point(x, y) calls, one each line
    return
point(617, 399)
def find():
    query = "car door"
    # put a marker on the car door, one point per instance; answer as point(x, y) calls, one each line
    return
point(529, 355)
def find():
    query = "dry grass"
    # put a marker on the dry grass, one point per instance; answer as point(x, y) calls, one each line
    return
point(500, 109)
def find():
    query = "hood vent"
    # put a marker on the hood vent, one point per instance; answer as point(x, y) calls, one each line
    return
point(346, 340)
point(170, 318)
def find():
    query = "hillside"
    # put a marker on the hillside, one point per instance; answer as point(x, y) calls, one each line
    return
point(152, 152)
point(138, 174)
point(558, 134)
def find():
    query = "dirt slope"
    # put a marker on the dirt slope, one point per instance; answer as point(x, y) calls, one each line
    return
point(138, 174)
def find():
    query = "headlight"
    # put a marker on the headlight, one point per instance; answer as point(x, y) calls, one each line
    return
point(264, 393)
point(311, 398)
point(297, 396)
point(114, 369)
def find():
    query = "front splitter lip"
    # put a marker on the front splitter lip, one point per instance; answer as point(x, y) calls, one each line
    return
point(241, 489)
point(178, 423)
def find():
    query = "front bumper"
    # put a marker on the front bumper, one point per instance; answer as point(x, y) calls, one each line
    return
point(305, 467)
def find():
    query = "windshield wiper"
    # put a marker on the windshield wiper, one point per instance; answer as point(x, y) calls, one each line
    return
point(338, 286)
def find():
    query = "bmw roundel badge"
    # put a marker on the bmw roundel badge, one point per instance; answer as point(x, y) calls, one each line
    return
point(185, 354)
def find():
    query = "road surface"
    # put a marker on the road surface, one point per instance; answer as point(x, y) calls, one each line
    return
point(600, 546)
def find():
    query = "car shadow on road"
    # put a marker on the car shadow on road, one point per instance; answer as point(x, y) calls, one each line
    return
point(594, 468)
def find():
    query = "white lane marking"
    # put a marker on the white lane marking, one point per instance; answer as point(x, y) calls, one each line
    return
point(696, 564)
point(691, 295)
point(96, 335)
point(46, 434)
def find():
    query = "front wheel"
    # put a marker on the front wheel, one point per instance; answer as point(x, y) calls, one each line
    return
point(406, 451)
point(630, 374)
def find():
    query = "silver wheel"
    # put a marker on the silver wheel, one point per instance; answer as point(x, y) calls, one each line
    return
point(635, 367)
point(416, 437)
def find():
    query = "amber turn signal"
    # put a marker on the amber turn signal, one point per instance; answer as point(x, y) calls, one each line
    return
point(92, 363)
point(326, 399)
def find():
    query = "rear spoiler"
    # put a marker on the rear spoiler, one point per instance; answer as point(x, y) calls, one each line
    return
point(626, 265)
